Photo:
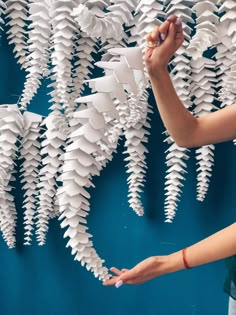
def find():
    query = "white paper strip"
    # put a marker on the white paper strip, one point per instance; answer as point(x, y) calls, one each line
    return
point(37, 61)
point(11, 124)
point(17, 14)
point(30, 153)
point(52, 151)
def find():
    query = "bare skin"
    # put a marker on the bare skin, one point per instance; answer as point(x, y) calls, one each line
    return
point(217, 246)
point(187, 131)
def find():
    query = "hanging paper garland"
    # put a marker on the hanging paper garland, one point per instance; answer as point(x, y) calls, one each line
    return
point(58, 39)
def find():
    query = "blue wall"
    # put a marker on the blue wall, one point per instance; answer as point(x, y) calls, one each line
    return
point(46, 280)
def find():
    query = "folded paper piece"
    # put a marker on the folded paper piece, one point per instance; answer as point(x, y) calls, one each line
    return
point(148, 15)
point(228, 24)
point(84, 50)
point(109, 26)
point(105, 27)
point(11, 125)
point(203, 94)
point(2, 11)
point(96, 127)
point(38, 45)
point(134, 121)
point(206, 28)
point(77, 171)
point(175, 160)
point(136, 135)
point(180, 74)
point(64, 33)
point(17, 15)
point(53, 143)
point(30, 153)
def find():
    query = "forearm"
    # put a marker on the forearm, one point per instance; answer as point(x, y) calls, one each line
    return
point(179, 122)
point(217, 246)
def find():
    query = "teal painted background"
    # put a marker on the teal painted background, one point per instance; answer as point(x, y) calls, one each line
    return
point(46, 280)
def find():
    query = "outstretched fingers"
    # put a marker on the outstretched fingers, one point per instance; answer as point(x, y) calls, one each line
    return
point(113, 280)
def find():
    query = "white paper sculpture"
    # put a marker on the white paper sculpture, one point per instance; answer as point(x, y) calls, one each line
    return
point(11, 124)
point(181, 78)
point(85, 48)
point(2, 11)
point(17, 14)
point(175, 160)
point(224, 59)
point(228, 25)
point(30, 153)
point(59, 39)
point(36, 63)
point(104, 26)
point(51, 153)
point(78, 169)
point(108, 27)
point(133, 118)
point(136, 136)
point(148, 15)
point(90, 140)
point(64, 32)
point(203, 93)
point(206, 28)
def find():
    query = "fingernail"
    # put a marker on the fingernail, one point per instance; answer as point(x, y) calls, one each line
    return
point(163, 36)
point(119, 284)
point(170, 17)
point(178, 21)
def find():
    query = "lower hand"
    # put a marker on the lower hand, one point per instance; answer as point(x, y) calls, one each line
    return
point(142, 272)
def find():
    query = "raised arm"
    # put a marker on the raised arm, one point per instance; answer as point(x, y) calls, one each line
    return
point(185, 129)
point(217, 246)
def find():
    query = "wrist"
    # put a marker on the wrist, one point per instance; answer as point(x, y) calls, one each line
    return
point(175, 262)
point(169, 263)
point(158, 73)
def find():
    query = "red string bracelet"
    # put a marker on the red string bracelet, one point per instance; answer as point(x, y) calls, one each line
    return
point(184, 259)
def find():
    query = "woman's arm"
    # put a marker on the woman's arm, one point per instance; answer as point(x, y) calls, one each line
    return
point(186, 130)
point(217, 246)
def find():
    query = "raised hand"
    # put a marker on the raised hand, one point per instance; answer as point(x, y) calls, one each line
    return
point(162, 43)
